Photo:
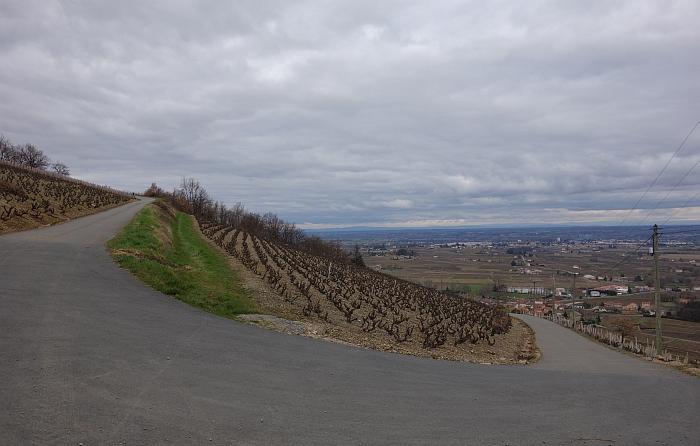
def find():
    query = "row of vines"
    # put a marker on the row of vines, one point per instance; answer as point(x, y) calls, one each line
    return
point(342, 293)
point(34, 196)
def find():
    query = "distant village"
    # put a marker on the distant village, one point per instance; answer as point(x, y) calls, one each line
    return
point(589, 306)
point(596, 294)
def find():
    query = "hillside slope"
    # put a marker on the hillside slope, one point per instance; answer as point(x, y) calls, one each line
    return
point(30, 198)
point(367, 308)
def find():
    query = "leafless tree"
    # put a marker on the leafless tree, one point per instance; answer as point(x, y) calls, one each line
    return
point(236, 215)
point(190, 188)
point(8, 152)
point(61, 169)
point(30, 156)
point(197, 198)
point(154, 191)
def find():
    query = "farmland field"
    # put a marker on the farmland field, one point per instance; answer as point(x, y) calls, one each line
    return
point(477, 269)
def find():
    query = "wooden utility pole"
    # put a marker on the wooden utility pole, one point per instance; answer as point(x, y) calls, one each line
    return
point(573, 300)
point(657, 290)
point(554, 294)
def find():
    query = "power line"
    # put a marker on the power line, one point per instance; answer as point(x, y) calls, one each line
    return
point(670, 191)
point(682, 207)
point(690, 231)
point(625, 258)
point(680, 147)
point(657, 291)
point(635, 250)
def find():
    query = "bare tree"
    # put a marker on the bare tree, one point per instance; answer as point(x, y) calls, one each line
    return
point(196, 196)
point(236, 214)
point(60, 168)
point(190, 188)
point(8, 152)
point(154, 191)
point(30, 156)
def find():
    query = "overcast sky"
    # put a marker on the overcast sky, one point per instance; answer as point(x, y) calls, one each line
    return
point(396, 113)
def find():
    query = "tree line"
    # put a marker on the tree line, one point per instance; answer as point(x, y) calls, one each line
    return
point(191, 197)
point(29, 155)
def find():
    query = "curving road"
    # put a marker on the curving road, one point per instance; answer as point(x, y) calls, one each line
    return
point(89, 355)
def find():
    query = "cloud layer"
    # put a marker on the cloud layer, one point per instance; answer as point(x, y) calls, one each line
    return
point(362, 113)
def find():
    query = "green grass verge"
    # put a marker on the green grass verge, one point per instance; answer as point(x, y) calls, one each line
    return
point(169, 254)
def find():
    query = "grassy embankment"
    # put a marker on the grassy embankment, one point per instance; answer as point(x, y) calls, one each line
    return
point(163, 248)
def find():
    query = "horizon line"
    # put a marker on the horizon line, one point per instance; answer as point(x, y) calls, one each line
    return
point(487, 226)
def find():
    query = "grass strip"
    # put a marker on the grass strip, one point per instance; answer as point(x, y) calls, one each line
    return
point(164, 250)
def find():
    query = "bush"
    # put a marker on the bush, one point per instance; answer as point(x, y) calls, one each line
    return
point(690, 312)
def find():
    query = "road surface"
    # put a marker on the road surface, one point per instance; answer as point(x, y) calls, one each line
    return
point(90, 355)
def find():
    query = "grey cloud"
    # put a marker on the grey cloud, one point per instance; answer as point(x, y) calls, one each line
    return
point(365, 112)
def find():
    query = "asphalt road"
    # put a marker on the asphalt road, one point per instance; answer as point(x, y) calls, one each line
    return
point(89, 355)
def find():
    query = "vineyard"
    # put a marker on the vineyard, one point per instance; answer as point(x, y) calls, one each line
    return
point(374, 304)
point(32, 197)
